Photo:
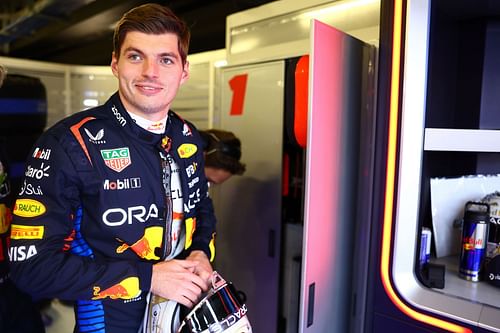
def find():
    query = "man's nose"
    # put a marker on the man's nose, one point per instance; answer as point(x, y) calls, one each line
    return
point(150, 68)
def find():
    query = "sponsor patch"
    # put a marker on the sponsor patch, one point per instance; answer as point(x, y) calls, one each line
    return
point(145, 246)
point(121, 120)
point(37, 173)
point(193, 199)
point(187, 150)
point(21, 253)
point(115, 217)
point(157, 127)
point(191, 169)
point(41, 153)
point(166, 143)
point(30, 189)
point(186, 131)
point(26, 232)
point(96, 139)
point(116, 159)
point(28, 208)
point(122, 184)
point(125, 289)
point(193, 182)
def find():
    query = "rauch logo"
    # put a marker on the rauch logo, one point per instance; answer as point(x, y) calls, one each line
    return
point(28, 208)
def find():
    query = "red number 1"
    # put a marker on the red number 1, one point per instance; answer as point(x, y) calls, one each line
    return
point(238, 85)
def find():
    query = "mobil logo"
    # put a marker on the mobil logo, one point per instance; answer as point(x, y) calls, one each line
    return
point(122, 184)
point(41, 153)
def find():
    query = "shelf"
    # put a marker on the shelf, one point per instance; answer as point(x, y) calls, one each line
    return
point(479, 292)
point(447, 139)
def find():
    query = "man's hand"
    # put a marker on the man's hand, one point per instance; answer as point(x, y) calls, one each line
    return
point(176, 280)
point(203, 268)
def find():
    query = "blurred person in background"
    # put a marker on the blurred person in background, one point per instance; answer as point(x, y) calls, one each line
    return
point(222, 155)
point(18, 313)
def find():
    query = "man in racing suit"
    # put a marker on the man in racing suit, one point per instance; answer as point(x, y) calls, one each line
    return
point(114, 196)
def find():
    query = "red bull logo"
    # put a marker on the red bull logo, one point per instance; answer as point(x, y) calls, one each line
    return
point(126, 289)
point(146, 245)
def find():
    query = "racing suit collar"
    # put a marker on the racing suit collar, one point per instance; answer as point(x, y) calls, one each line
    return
point(124, 120)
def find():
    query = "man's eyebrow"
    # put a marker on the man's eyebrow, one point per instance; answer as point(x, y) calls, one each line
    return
point(132, 49)
point(164, 54)
point(169, 54)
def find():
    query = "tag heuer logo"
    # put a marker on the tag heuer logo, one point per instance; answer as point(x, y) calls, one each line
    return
point(116, 159)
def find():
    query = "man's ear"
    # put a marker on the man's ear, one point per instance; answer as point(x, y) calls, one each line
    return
point(114, 64)
point(185, 72)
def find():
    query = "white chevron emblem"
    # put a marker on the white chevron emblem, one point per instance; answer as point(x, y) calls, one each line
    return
point(96, 139)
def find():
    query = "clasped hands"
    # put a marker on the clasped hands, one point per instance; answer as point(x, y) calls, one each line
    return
point(183, 281)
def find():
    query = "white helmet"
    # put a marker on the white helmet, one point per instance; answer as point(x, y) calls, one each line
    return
point(219, 311)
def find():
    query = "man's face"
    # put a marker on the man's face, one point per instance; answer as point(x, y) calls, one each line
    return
point(149, 71)
point(217, 176)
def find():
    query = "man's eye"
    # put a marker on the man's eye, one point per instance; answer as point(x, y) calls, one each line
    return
point(134, 57)
point(166, 61)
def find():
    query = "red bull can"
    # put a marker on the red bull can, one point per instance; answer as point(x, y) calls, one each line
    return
point(474, 238)
point(425, 246)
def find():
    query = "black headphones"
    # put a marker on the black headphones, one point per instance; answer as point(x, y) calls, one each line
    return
point(225, 148)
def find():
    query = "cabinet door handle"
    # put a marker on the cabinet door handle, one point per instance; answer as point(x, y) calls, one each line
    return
point(310, 305)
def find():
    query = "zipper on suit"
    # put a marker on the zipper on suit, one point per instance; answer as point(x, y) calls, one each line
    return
point(167, 211)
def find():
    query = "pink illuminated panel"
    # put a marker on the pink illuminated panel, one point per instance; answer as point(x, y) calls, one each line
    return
point(332, 153)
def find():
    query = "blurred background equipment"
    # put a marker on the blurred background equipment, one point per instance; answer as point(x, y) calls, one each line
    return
point(23, 116)
point(80, 31)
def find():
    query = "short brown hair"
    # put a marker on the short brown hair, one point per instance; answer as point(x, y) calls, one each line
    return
point(222, 151)
point(152, 19)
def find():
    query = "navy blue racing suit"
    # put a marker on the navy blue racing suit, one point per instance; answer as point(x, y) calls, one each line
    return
point(92, 216)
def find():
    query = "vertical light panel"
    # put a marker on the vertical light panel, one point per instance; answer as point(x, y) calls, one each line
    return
point(333, 129)
point(248, 207)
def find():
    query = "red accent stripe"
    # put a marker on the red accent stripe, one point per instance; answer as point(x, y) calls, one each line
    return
point(301, 100)
point(75, 129)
